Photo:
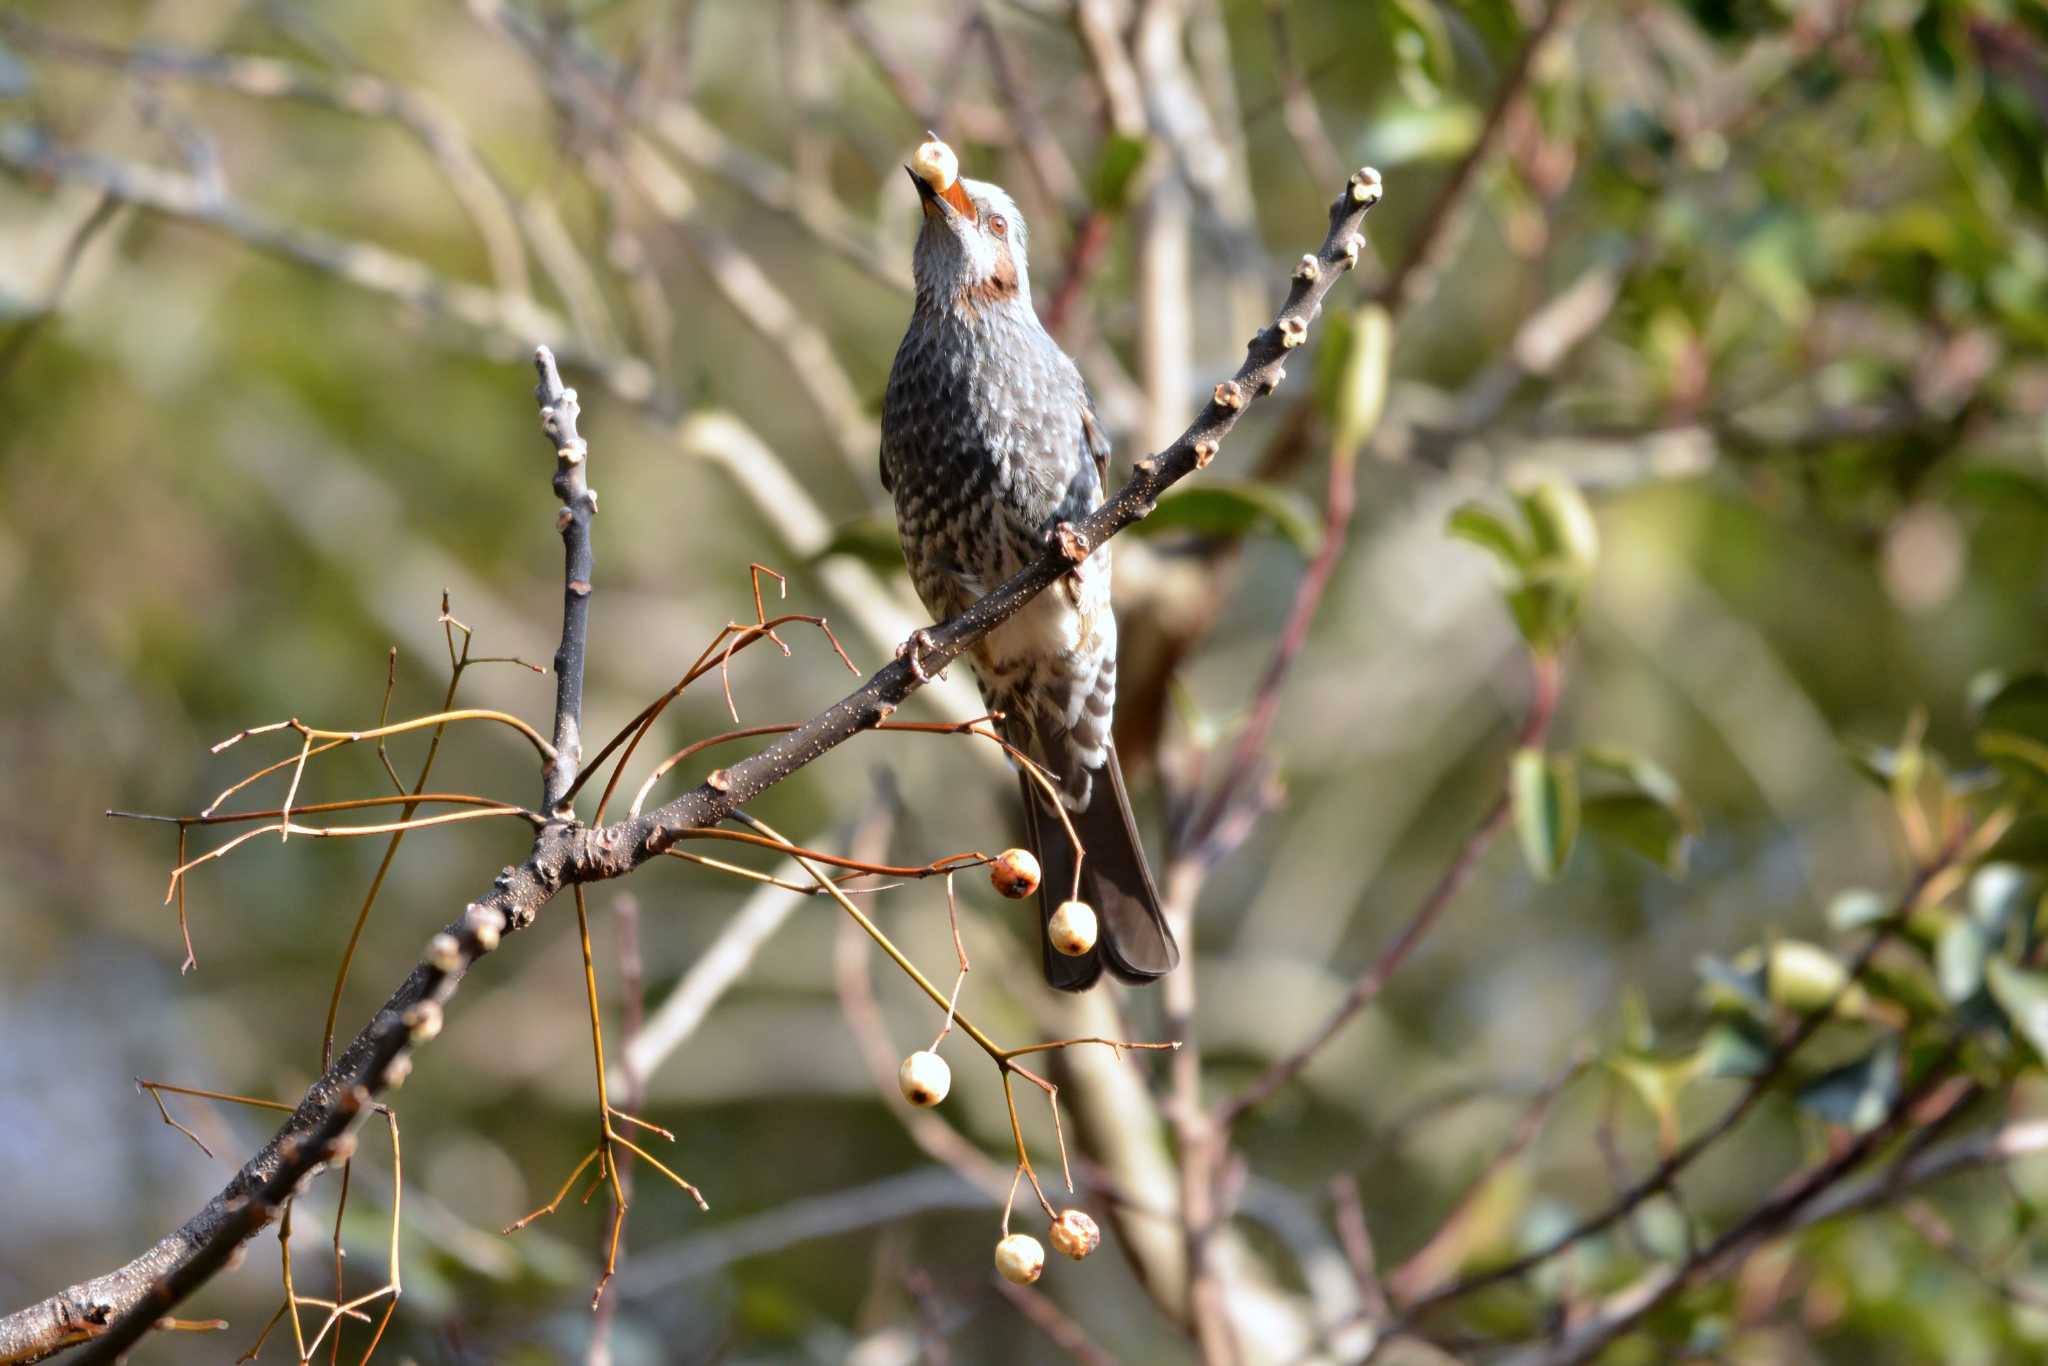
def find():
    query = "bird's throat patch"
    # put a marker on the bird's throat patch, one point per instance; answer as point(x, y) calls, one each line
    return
point(1001, 285)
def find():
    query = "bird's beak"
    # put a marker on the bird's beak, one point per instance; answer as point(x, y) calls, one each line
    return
point(950, 203)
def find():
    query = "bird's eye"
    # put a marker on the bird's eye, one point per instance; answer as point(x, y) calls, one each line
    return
point(998, 225)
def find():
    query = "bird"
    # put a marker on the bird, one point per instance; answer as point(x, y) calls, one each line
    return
point(990, 448)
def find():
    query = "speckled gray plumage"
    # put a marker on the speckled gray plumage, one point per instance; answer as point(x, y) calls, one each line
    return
point(986, 448)
point(988, 444)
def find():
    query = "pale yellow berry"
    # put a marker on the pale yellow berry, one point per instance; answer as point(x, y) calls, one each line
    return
point(1072, 928)
point(925, 1079)
point(936, 165)
point(1020, 1258)
point(1075, 1235)
point(1015, 873)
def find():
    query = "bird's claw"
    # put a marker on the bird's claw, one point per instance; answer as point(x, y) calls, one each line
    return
point(914, 650)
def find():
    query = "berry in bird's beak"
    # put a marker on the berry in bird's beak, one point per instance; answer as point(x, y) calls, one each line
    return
point(935, 170)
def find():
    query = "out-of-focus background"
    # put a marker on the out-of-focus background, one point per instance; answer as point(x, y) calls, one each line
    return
point(1768, 281)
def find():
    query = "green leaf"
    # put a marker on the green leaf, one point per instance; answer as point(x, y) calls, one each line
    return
point(1547, 568)
point(1806, 977)
point(1959, 958)
point(1658, 1083)
point(2023, 996)
point(1236, 509)
point(1561, 524)
point(1640, 772)
point(1882, 764)
point(2020, 750)
point(2015, 705)
point(1941, 88)
point(1642, 826)
point(1489, 531)
point(1646, 814)
point(1732, 1047)
point(1856, 1095)
point(1856, 908)
point(2000, 895)
point(1401, 133)
point(1730, 986)
point(1546, 806)
point(1122, 157)
point(1431, 46)
point(1359, 397)
point(2000, 486)
point(870, 539)
point(2025, 842)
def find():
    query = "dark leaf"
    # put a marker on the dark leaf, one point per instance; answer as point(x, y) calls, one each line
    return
point(1857, 1095)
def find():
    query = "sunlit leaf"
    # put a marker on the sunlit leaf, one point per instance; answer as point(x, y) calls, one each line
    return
point(1546, 806)
point(1959, 956)
point(1489, 531)
point(1404, 133)
point(2000, 895)
point(2023, 996)
point(1561, 524)
point(1856, 908)
point(1804, 977)
point(1359, 395)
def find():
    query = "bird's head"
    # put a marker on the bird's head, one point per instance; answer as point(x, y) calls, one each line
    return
point(970, 257)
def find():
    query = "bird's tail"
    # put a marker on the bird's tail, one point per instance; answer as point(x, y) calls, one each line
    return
point(1133, 941)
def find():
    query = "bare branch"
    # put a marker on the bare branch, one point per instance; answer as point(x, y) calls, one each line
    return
point(558, 413)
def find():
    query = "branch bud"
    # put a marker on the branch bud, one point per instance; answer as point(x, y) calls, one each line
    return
point(486, 923)
point(1205, 451)
point(1365, 186)
point(1228, 395)
point(1293, 332)
point(1309, 270)
point(424, 1020)
point(444, 952)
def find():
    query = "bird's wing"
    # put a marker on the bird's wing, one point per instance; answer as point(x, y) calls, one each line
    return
point(1096, 441)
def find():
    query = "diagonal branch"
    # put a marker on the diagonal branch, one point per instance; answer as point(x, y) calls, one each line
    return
point(113, 1311)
